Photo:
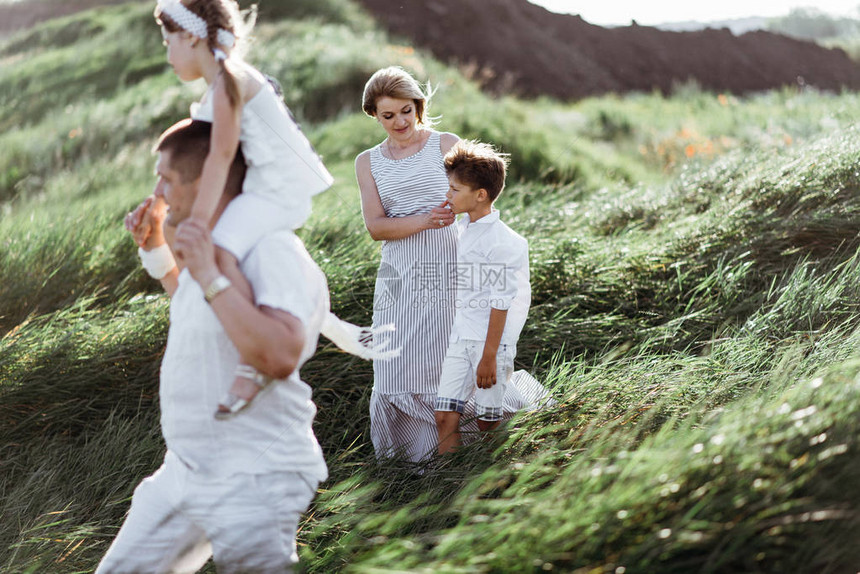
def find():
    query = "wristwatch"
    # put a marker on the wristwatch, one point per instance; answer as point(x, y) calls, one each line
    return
point(218, 285)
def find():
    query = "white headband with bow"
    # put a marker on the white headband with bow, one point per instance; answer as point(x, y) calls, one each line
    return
point(191, 22)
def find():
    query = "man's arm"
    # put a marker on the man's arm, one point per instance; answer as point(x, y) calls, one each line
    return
point(146, 225)
point(270, 340)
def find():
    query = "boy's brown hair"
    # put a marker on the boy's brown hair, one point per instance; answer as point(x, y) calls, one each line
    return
point(478, 165)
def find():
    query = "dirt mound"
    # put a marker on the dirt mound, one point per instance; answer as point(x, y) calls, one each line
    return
point(524, 48)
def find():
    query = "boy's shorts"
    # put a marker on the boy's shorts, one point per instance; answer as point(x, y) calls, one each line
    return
point(459, 382)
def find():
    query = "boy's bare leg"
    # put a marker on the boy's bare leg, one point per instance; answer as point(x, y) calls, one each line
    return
point(448, 428)
point(484, 426)
point(229, 266)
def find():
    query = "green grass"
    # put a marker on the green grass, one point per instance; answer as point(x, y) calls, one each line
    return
point(695, 278)
point(637, 468)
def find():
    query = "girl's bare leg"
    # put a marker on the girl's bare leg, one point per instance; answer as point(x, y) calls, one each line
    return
point(242, 387)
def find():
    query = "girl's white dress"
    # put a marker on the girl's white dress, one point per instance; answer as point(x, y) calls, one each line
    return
point(284, 173)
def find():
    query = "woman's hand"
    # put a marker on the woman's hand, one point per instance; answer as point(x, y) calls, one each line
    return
point(440, 216)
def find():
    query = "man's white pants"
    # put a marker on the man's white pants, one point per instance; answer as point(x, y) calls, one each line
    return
point(178, 519)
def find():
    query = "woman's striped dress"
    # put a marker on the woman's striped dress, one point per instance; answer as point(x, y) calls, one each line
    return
point(414, 290)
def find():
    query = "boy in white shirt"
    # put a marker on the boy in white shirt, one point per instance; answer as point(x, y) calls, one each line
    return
point(493, 294)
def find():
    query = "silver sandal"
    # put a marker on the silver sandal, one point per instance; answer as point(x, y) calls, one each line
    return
point(235, 404)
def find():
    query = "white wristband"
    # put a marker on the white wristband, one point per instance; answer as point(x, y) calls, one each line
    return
point(157, 262)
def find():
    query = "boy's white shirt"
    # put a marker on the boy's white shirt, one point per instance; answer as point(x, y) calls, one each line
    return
point(492, 272)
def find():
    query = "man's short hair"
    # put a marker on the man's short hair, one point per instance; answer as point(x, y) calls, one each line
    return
point(478, 165)
point(188, 143)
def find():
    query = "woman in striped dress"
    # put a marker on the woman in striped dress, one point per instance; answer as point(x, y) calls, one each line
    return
point(403, 185)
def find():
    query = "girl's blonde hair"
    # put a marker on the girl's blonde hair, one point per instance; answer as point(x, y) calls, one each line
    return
point(395, 82)
point(218, 15)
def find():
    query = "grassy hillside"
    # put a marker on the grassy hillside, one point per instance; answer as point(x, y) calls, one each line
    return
point(695, 279)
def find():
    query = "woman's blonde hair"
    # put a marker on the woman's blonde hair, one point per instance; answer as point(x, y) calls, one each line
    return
point(218, 15)
point(395, 82)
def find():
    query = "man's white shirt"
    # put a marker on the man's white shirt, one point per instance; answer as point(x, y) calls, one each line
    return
point(275, 432)
point(492, 273)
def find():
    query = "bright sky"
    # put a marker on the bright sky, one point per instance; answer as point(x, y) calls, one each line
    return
point(620, 12)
